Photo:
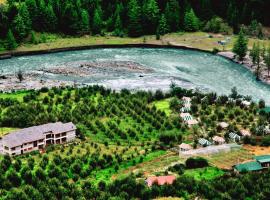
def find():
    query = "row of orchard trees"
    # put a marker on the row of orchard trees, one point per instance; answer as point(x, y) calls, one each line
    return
point(132, 17)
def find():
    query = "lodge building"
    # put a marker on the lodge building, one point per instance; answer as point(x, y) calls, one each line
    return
point(36, 138)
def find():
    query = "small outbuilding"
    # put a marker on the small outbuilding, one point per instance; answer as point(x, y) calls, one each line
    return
point(204, 142)
point(234, 137)
point(245, 133)
point(218, 140)
point(160, 180)
point(184, 147)
point(223, 125)
point(264, 160)
point(249, 166)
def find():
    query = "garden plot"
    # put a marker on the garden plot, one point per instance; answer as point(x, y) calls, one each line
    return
point(227, 160)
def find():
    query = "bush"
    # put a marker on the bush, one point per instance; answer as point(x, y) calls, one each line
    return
point(192, 163)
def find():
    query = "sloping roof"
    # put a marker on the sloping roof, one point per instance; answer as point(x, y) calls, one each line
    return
point(234, 135)
point(249, 166)
point(245, 132)
point(33, 133)
point(218, 139)
point(203, 141)
point(160, 180)
point(263, 158)
point(223, 124)
point(185, 146)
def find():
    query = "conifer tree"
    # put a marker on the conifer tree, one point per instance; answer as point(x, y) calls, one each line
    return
point(33, 38)
point(70, 20)
point(33, 13)
point(97, 21)
point(51, 20)
point(240, 47)
point(24, 13)
point(19, 28)
point(267, 59)
point(118, 27)
point(134, 19)
point(191, 21)
point(11, 42)
point(163, 26)
point(84, 28)
point(233, 16)
point(150, 16)
point(172, 14)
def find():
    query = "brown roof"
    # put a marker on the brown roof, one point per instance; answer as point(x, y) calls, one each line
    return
point(160, 180)
point(17, 138)
point(185, 146)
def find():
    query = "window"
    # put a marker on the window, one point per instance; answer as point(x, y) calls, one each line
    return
point(35, 144)
point(63, 134)
point(49, 136)
point(40, 140)
point(6, 148)
point(13, 148)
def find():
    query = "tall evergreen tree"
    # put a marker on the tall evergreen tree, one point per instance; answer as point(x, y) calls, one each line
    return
point(134, 19)
point(118, 27)
point(191, 21)
point(51, 20)
point(70, 20)
point(172, 14)
point(84, 27)
point(33, 13)
point(10, 41)
point(163, 26)
point(267, 59)
point(233, 16)
point(150, 16)
point(97, 21)
point(24, 13)
point(19, 28)
point(240, 46)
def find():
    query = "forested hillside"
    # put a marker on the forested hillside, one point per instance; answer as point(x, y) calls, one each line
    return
point(19, 20)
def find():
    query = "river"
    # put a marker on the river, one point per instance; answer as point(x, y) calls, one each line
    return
point(186, 68)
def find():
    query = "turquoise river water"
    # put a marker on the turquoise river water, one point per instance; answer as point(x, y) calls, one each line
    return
point(189, 69)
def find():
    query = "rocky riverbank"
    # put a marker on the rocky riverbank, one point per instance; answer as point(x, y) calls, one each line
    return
point(30, 81)
point(247, 62)
point(37, 80)
point(85, 69)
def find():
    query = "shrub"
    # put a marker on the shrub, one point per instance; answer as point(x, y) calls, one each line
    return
point(192, 163)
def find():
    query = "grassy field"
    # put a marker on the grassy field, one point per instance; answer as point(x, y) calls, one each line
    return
point(16, 95)
point(163, 105)
point(200, 40)
point(207, 173)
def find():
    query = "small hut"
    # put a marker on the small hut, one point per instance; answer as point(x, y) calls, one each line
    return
point(184, 147)
point(223, 125)
point(245, 133)
point(218, 140)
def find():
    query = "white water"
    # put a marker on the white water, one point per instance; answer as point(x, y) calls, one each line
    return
point(189, 69)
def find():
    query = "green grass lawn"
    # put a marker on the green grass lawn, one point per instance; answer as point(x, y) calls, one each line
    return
point(199, 40)
point(16, 95)
point(163, 105)
point(207, 173)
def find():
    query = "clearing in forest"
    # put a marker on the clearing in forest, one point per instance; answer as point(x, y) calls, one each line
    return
point(257, 150)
